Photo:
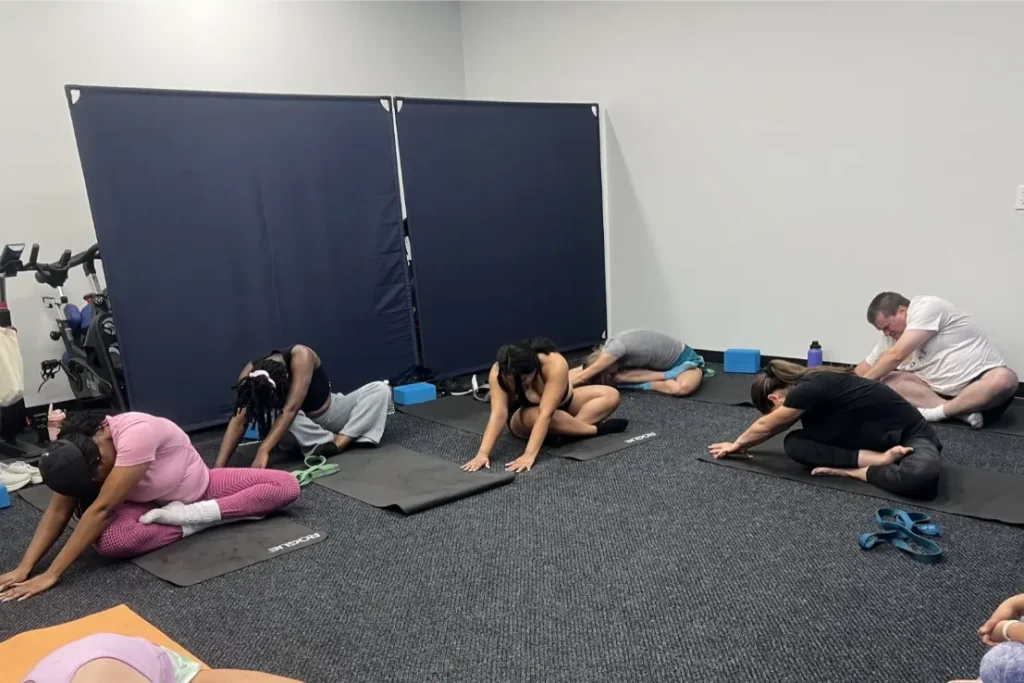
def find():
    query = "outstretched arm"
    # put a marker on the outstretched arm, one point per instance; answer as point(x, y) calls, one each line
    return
point(496, 423)
point(555, 372)
point(304, 361)
point(764, 428)
point(236, 429)
point(909, 341)
point(118, 485)
point(51, 526)
point(583, 375)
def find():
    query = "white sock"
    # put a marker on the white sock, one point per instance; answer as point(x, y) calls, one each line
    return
point(974, 419)
point(177, 513)
point(936, 414)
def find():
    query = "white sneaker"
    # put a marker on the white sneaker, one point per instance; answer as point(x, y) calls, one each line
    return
point(23, 468)
point(13, 481)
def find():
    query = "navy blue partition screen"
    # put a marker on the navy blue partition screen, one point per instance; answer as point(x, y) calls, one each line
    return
point(505, 220)
point(232, 224)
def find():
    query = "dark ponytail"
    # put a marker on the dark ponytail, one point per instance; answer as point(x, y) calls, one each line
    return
point(520, 359)
point(263, 393)
point(778, 375)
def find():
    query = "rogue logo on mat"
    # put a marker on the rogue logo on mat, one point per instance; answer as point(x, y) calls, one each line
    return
point(292, 544)
point(641, 437)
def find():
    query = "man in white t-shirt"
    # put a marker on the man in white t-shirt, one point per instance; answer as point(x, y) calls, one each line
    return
point(936, 357)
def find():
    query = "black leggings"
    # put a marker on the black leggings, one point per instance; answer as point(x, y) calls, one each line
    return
point(915, 476)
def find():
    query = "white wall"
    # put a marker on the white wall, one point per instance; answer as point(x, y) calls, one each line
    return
point(316, 47)
point(772, 166)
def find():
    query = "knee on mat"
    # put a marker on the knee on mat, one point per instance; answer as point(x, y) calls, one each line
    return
point(684, 386)
point(922, 483)
point(793, 446)
point(380, 392)
point(112, 550)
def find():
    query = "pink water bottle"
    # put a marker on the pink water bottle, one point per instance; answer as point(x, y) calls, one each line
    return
point(814, 355)
point(54, 421)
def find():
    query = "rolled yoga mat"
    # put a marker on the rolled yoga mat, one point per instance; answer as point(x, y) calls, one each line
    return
point(397, 478)
point(966, 491)
point(470, 415)
point(216, 551)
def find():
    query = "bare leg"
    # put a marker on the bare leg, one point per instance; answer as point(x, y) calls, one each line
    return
point(993, 389)
point(856, 473)
point(594, 404)
point(683, 385)
point(561, 423)
point(638, 375)
point(913, 389)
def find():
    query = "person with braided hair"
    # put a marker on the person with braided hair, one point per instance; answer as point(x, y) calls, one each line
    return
point(288, 391)
point(532, 395)
point(852, 427)
point(137, 484)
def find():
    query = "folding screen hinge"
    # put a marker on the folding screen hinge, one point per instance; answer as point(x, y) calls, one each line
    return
point(386, 103)
point(593, 110)
point(398, 104)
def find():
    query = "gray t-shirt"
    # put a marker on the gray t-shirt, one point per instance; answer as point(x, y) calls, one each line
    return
point(644, 349)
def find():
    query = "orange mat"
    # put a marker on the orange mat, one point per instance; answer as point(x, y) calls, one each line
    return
point(22, 652)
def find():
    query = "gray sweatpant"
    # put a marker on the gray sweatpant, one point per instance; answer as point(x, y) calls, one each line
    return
point(360, 415)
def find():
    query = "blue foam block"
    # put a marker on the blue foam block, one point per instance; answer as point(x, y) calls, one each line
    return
point(747, 361)
point(251, 433)
point(5, 499)
point(411, 394)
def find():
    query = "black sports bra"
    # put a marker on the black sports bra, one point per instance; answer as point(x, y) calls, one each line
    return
point(319, 384)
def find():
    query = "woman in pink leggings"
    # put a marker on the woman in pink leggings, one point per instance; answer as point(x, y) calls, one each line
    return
point(137, 484)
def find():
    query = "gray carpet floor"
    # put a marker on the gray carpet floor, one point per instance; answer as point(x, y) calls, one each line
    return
point(646, 565)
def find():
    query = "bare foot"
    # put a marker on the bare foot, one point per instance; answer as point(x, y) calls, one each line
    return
point(830, 472)
point(897, 453)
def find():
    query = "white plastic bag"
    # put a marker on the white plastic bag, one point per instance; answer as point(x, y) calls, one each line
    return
point(12, 370)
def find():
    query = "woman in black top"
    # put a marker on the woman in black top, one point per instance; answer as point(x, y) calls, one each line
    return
point(289, 391)
point(852, 427)
point(531, 393)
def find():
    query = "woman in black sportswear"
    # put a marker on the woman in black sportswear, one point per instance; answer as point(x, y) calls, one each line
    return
point(852, 427)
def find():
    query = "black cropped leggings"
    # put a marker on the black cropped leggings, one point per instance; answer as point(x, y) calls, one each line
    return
point(915, 476)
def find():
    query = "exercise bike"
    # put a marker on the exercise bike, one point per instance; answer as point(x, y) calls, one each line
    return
point(13, 417)
point(92, 358)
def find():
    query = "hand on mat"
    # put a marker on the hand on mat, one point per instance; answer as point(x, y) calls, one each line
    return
point(720, 450)
point(12, 577)
point(476, 463)
point(26, 589)
point(521, 464)
point(1007, 610)
point(261, 460)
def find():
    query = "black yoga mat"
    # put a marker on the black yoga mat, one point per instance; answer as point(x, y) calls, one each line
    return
point(470, 415)
point(462, 412)
point(966, 491)
point(397, 478)
point(213, 552)
point(730, 389)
